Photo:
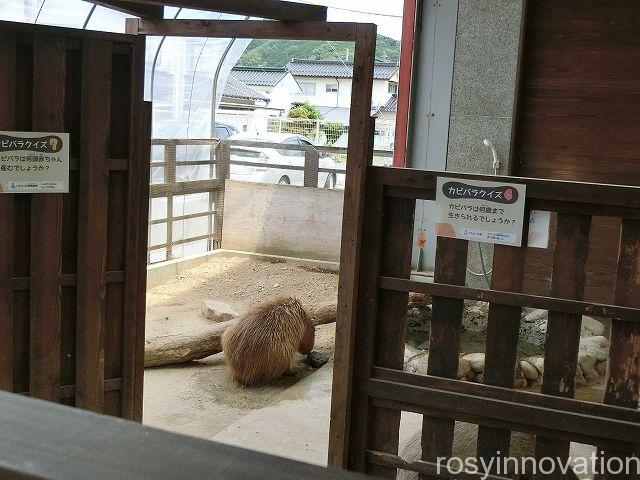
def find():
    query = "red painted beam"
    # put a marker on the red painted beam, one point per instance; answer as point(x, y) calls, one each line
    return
point(404, 82)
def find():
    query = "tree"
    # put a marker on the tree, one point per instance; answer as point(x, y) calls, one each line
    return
point(305, 110)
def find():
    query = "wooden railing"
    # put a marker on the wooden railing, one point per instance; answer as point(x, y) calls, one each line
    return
point(219, 160)
point(47, 441)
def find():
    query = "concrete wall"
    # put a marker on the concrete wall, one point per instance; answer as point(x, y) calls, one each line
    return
point(464, 85)
point(283, 220)
point(482, 96)
point(483, 88)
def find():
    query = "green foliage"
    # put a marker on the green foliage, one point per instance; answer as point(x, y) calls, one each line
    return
point(333, 131)
point(305, 110)
point(277, 53)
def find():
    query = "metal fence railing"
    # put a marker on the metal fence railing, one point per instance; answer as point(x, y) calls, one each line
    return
point(188, 185)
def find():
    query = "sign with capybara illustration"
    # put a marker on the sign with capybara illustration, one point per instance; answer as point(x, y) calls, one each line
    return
point(34, 162)
point(490, 212)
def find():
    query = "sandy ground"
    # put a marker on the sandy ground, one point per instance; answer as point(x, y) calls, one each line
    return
point(200, 398)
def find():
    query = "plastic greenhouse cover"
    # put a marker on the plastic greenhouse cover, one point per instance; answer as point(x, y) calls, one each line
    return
point(180, 72)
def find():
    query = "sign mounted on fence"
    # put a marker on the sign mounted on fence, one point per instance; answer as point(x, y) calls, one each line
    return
point(482, 211)
point(34, 162)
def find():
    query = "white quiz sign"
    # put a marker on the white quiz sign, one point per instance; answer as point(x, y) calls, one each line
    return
point(490, 212)
point(34, 162)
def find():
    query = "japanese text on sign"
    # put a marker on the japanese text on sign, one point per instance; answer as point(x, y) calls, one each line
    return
point(34, 162)
point(477, 210)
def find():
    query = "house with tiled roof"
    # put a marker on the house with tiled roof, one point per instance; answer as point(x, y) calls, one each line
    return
point(238, 95)
point(327, 83)
point(277, 84)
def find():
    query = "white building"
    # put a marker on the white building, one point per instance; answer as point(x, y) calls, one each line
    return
point(327, 83)
point(275, 83)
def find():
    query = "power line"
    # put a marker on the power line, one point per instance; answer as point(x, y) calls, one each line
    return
point(365, 13)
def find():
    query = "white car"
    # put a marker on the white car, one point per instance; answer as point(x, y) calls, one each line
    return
point(274, 156)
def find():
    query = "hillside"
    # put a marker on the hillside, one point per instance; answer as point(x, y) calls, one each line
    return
point(277, 53)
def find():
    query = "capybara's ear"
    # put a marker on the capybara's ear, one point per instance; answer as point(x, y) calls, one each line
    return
point(306, 344)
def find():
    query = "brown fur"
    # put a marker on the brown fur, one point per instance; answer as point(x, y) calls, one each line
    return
point(260, 345)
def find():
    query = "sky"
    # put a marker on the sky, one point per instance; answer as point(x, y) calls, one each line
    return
point(387, 14)
point(388, 18)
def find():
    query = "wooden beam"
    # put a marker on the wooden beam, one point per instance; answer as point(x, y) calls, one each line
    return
point(45, 441)
point(132, 8)
point(272, 9)
point(257, 29)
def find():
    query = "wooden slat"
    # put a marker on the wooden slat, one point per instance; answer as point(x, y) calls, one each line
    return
point(352, 241)
point(396, 245)
point(623, 379)
point(470, 402)
point(92, 225)
point(44, 441)
point(274, 9)
point(132, 8)
point(363, 344)
point(7, 122)
point(444, 341)
point(501, 395)
point(563, 330)
point(422, 184)
point(428, 469)
point(46, 226)
point(139, 136)
point(628, 314)
point(143, 241)
point(503, 331)
point(244, 29)
point(183, 188)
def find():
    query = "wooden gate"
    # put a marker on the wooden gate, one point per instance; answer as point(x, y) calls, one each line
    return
point(72, 269)
point(370, 389)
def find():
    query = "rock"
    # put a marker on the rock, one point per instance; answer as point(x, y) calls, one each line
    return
point(536, 316)
point(537, 362)
point(417, 364)
point(517, 372)
point(520, 383)
point(598, 340)
point(419, 300)
point(475, 317)
point(478, 378)
point(464, 369)
point(316, 359)
point(530, 372)
point(587, 363)
point(217, 311)
point(602, 367)
point(590, 347)
point(411, 352)
point(476, 360)
point(591, 327)
point(534, 327)
point(579, 378)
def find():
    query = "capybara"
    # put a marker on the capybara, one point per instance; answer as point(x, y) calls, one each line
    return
point(522, 446)
point(260, 345)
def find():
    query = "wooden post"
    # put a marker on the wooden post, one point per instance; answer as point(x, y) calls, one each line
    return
point(311, 165)
point(170, 178)
point(46, 226)
point(503, 332)
point(92, 221)
point(7, 122)
point(623, 379)
point(223, 173)
point(563, 330)
point(358, 161)
point(444, 340)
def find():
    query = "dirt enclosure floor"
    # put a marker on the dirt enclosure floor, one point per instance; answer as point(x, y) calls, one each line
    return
point(200, 398)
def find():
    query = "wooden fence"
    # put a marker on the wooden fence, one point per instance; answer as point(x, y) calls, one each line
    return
point(72, 269)
point(370, 389)
point(218, 167)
